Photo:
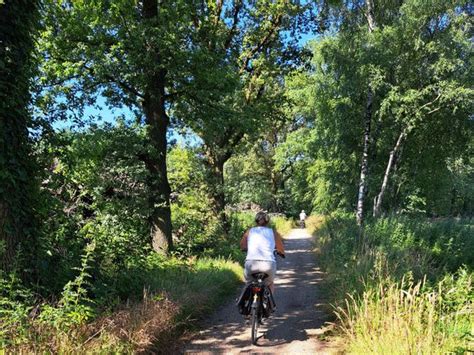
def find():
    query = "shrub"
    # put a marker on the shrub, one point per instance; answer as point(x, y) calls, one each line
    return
point(75, 306)
point(282, 225)
point(16, 302)
point(196, 228)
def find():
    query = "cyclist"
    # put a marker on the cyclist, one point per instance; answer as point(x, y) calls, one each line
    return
point(260, 242)
point(302, 219)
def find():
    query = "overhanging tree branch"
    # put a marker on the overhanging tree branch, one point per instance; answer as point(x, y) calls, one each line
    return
point(262, 44)
point(219, 4)
point(235, 21)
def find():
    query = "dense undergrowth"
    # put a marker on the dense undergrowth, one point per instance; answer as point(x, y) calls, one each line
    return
point(94, 282)
point(406, 289)
point(141, 306)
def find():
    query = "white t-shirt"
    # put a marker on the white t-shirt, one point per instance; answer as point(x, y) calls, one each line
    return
point(302, 216)
point(260, 244)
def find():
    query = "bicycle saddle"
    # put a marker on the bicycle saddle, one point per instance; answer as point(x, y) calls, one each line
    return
point(260, 275)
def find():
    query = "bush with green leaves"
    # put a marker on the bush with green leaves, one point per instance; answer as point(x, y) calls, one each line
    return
point(16, 303)
point(195, 226)
point(75, 306)
point(93, 191)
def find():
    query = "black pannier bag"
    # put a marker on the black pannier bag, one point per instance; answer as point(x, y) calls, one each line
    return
point(268, 302)
point(244, 302)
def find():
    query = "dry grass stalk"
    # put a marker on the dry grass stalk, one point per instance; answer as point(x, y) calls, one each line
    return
point(139, 324)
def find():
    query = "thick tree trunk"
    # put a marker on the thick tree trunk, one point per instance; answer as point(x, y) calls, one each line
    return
point(278, 184)
point(364, 168)
point(216, 169)
point(391, 163)
point(157, 120)
point(274, 188)
point(9, 237)
point(17, 184)
point(159, 188)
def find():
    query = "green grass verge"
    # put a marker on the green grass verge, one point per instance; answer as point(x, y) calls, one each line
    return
point(408, 289)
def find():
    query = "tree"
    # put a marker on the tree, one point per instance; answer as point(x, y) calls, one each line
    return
point(243, 48)
point(416, 64)
point(18, 21)
point(93, 190)
point(364, 166)
point(257, 173)
point(135, 55)
point(438, 91)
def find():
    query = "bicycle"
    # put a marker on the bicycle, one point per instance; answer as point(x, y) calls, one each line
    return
point(263, 304)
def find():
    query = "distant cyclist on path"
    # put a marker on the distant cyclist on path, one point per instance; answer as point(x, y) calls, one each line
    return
point(302, 219)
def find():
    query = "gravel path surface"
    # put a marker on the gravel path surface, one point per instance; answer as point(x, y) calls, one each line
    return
point(292, 329)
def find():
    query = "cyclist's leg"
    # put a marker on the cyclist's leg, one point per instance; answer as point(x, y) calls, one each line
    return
point(268, 267)
point(271, 271)
point(249, 269)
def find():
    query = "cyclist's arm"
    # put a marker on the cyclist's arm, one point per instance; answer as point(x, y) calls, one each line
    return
point(243, 241)
point(279, 242)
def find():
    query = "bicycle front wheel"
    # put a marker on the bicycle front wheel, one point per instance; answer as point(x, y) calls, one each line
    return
point(254, 325)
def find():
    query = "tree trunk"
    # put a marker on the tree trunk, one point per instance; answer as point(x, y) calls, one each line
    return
point(274, 189)
point(364, 168)
point(370, 15)
point(219, 194)
point(157, 120)
point(17, 183)
point(216, 169)
point(278, 184)
point(159, 188)
point(391, 162)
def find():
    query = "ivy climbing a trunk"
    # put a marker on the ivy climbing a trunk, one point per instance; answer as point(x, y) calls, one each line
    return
point(17, 183)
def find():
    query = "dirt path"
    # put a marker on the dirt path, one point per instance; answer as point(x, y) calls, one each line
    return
point(292, 329)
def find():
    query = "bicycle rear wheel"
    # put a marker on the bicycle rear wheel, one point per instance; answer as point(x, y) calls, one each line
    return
point(254, 325)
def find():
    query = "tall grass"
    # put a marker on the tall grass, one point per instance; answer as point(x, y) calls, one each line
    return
point(175, 293)
point(407, 290)
point(407, 318)
point(188, 290)
point(314, 223)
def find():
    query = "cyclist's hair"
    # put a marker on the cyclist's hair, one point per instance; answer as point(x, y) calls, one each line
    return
point(262, 216)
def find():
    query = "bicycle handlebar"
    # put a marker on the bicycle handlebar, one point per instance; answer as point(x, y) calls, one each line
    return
point(281, 255)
